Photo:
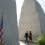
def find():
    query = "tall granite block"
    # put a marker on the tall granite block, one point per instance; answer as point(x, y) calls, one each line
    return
point(8, 10)
point(29, 20)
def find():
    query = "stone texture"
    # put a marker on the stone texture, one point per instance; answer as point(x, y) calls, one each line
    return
point(29, 19)
point(8, 8)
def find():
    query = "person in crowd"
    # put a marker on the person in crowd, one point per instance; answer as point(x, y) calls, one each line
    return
point(26, 36)
point(30, 36)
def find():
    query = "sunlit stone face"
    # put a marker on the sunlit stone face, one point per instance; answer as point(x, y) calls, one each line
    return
point(29, 20)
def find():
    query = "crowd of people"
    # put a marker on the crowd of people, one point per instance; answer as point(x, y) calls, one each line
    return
point(28, 36)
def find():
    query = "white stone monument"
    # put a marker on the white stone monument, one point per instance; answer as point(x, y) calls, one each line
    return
point(8, 8)
point(29, 20)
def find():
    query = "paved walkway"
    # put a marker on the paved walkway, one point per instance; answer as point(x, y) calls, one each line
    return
point(24, 43)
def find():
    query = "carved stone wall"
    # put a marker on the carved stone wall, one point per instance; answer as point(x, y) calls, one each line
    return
point(29, 20)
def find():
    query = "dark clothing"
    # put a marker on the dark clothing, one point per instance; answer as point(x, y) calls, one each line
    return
point(30, 36)
point(26, 36)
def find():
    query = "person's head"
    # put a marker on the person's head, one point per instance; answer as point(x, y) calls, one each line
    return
point(30, 32)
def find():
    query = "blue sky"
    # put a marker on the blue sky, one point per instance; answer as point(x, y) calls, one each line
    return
point(19, 4)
